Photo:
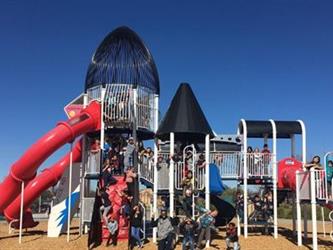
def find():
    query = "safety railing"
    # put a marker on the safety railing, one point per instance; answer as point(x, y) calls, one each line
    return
point(93, 163)
point(320, 184)
point(259, 164)
point(117, 105)
point(94, 93)
point(143, 229)
point(145, 109)
point(146, 169)
point(181, 170)
point(229, 163)
point(163, 161)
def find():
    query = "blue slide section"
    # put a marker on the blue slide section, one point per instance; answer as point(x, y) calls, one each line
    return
point(226, 211)
point(215, 181)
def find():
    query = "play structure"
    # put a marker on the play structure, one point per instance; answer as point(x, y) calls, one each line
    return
point(121, 100)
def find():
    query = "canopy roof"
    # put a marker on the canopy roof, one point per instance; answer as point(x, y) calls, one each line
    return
point(260, 129)
point(122, 57)
point(184, 118)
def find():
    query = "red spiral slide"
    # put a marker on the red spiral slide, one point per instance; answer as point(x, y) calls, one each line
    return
point(24, 170)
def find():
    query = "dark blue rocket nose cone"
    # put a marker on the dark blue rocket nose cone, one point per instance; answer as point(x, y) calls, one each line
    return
point(122, 57)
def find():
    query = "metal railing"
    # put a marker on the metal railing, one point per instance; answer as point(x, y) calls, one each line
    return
point(321, 184)
point(259, 164)
point(143, 230)
point(94, 93)
point(145, 108)
point(198, 175)
point(229, 163)
point(120, 101)
point(163, 161)
point(146, 169)
point(117, 104)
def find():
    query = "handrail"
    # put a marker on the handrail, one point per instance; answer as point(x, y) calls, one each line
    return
point(10, 228)
point(143, 230)
point(321, 184)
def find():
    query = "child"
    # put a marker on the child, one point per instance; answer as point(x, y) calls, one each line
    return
point(187, 228)
point(257, 203)
point(136, 222)
point(232, 236)
point(106, 205)
point(187, 181)
point(187, 201)
point(239, 204)
point(315, 164)
point(113, 230)
point(129, 154)
point(257, 162)
point(206, 223)
point(268, 205)
point(115, 165)
point(201, 163)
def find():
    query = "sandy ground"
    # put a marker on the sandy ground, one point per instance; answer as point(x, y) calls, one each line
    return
point(37, 239)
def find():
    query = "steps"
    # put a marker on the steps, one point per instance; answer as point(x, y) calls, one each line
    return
point(116, 201)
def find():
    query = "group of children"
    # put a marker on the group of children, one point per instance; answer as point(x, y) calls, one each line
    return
point(120, 163)
point(263, 207)
point(195, 232)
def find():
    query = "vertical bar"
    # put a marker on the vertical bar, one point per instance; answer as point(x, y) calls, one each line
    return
point(171, 173)
point(21, 212)
point(102, 119)
point(303, 142)
point(207, 184)
point(274, 181)
point(82, 170)
point(298, 211)
point(292, 140)
point(323, 220)
point(313, 210)
point(69, 192)
point(294, 212)
point(155, 167)
point(245, 175)
point(238, 225)
point(305, 221)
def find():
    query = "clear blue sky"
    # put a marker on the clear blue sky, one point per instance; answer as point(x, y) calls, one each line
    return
point(244, 59)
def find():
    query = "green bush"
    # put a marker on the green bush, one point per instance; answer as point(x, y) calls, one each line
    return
point(285, 211)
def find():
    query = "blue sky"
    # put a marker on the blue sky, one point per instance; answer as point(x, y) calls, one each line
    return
point(243, 59)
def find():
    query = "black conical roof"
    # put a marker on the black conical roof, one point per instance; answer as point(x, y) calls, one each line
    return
point(184, 117)
point(122, 57)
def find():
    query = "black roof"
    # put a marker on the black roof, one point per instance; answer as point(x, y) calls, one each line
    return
point(122, 57)
point(184, 118)
point(258, 129)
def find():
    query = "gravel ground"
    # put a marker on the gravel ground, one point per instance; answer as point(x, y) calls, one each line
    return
point(37, 239)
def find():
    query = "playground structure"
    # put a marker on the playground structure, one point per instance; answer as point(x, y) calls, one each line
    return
point(125, 100)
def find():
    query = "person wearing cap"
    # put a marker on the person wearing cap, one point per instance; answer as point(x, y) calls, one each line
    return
point(165, 228)
point(129, 154)
point(187, 228)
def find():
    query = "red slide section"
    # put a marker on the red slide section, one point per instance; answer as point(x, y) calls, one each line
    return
point(25, 168)
point(117, 202)
point(48, 178)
